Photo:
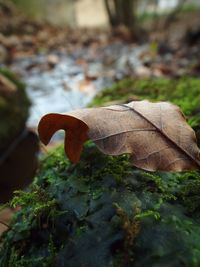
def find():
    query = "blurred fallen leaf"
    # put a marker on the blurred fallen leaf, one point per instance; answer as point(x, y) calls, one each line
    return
point(162, 69)
point(52, 61)
point(86, 86)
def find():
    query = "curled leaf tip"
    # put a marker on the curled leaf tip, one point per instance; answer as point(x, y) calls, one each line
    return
point(47, 127)
point(75, 132)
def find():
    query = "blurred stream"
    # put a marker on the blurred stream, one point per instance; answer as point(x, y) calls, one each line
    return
point(62, 82)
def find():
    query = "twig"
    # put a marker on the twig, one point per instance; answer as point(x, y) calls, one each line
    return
point(5, 224)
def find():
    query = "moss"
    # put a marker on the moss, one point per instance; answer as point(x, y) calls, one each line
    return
point(37, 212)
point(184, 92)
point(102, 198)
point(189, 192)
point(13, 110)
point(103, 212)
point(68, 202)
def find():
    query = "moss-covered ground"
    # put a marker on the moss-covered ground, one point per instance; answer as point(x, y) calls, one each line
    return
point(103, 212)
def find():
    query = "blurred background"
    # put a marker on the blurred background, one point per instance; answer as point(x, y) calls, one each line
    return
point(56, 55)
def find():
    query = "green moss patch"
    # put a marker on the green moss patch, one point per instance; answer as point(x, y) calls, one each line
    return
point(102, 211)
point(184, 92)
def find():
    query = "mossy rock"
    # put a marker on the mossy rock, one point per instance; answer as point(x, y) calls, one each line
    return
point(102, 211)
point(14, 110)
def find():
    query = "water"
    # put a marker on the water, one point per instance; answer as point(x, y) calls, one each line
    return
point(76, 78)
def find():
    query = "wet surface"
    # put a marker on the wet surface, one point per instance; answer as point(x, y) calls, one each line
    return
point(61, 82)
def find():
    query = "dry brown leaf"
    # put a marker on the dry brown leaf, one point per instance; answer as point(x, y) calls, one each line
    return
point(155, 134)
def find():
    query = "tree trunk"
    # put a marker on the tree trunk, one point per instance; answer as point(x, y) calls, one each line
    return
point(109, 12)
point(122, 13)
